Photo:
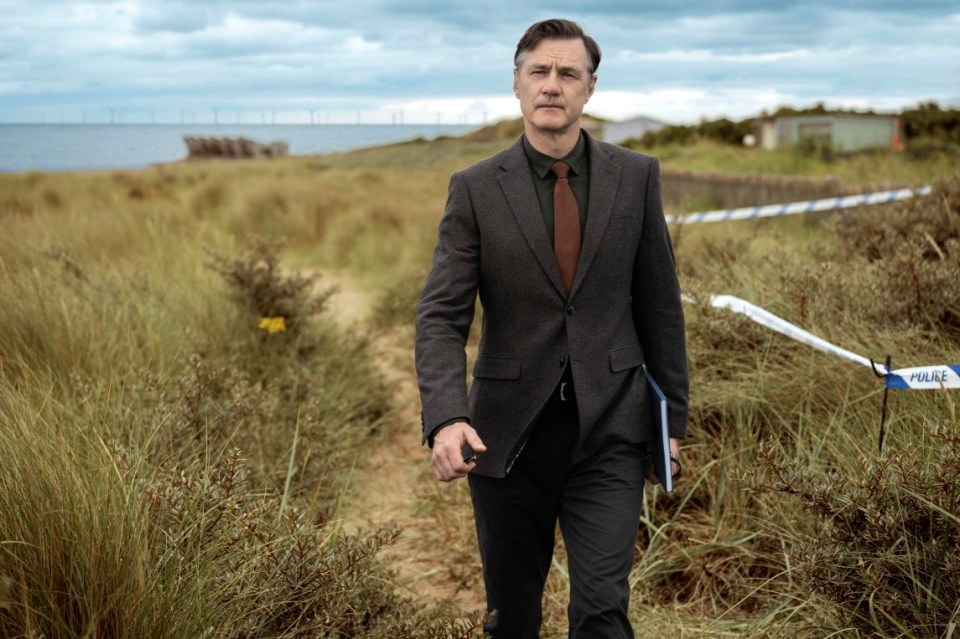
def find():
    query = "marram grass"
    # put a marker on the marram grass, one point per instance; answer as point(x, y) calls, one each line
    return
point(172, 469)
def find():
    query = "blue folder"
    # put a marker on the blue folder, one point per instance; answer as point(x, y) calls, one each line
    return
point(659, 444)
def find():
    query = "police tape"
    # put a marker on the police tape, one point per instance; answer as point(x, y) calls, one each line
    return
point(922, 377)
point(794, 208)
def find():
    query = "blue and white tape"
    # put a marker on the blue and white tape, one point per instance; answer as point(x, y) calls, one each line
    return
point(923, 377)
point(947, 376)
point(794, 208)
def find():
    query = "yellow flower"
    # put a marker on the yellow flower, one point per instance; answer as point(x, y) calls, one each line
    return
point(273, 324)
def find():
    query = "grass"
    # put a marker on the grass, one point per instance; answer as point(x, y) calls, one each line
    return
point(172, 469)
point(875, 167)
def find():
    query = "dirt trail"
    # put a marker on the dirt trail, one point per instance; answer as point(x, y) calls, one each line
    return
point(435, 558)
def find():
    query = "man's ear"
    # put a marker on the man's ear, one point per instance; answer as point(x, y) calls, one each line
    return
point(592, 86)
point(516, 82)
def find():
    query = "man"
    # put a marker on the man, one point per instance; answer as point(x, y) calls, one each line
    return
point(575, 273)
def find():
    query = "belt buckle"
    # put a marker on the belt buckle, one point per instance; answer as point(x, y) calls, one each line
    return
point(563, 388)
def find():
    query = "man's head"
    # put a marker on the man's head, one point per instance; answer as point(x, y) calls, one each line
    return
point(557, 29)
point(553, 77)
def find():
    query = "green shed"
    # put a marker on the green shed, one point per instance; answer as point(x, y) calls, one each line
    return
point(845, 132)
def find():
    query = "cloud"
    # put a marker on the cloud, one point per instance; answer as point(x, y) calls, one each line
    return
point(177, 17)
point(698, 58)
point(687, 105)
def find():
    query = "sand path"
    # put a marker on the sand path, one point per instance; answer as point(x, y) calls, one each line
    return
point(435, 558)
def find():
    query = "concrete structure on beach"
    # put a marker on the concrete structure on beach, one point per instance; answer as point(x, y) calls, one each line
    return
point(233, 148)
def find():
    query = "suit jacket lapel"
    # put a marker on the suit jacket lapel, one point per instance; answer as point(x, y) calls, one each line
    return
point(604, 180)
point(517, 184)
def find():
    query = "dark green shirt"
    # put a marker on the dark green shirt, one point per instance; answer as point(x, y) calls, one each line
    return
point(544, 180)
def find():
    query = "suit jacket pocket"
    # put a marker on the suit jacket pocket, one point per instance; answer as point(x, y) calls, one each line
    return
point(626, 357)
point(487, 367)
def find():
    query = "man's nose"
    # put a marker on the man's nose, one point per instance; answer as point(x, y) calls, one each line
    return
point(552, 85)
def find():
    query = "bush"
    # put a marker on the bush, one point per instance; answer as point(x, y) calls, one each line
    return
point(97, 543)
point(886, 556)
point(884, 279)
point(929, 121)
point(197, 499)
point(262, 291)
point(290, 385)
point(908, 262)
point(722, 130)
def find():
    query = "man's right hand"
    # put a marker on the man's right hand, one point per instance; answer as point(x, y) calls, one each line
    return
point(448, 444)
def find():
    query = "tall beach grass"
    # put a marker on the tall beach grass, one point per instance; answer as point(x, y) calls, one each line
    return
point(173, 467)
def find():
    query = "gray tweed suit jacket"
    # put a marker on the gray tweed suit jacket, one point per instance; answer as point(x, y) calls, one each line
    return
point(624, 309)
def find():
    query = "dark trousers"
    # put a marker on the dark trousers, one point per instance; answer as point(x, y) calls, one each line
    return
point(597, 502)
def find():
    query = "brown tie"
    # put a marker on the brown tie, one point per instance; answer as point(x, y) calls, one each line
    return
point(566, 225)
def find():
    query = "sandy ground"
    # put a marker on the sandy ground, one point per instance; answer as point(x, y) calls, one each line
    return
point(435, 558)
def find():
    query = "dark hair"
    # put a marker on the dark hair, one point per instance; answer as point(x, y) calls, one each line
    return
point(559, 29)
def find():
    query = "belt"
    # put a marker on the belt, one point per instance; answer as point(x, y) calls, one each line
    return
point(564, 392)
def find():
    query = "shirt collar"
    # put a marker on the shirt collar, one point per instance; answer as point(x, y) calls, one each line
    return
point(541, 162)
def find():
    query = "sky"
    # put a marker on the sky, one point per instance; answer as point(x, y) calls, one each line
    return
point(450, 61)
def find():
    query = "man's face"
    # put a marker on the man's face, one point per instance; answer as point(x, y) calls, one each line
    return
point(553, 84)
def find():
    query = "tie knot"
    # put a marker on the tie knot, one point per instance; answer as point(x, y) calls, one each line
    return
point(560, 169)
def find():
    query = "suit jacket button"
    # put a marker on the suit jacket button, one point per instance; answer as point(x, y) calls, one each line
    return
point(571, 310)
point(563, 360)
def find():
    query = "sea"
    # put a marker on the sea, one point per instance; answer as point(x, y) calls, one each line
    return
point(78, 147)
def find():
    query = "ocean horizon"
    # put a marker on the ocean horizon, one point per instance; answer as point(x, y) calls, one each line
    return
point(79, 147)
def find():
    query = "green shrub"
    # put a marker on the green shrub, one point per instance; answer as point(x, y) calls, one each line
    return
point(262, 291)
point(886, 554)
point(199, 498)
point(929, 121)
point(96, 542)
point(907, 257)
point(875, 281)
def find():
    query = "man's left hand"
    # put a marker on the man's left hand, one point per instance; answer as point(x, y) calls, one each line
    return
point(674, 468)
